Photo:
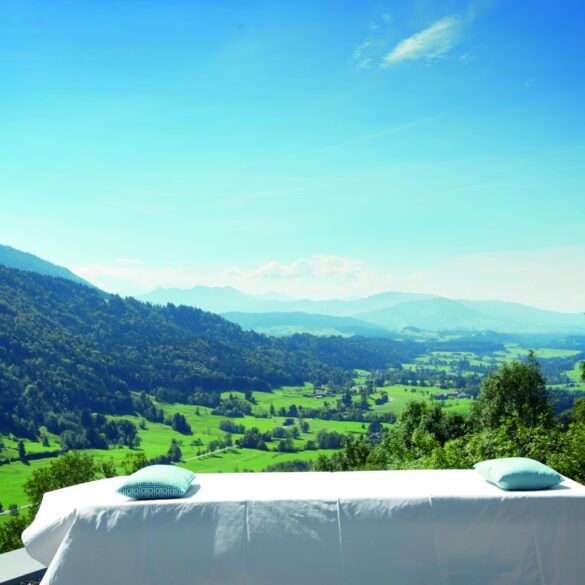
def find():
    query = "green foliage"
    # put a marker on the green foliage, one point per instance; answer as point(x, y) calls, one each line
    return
point(233, 406)
point(181, 425)
point(286, 446)
point(579, 409)
point(353, 456)
point(430, 418)
point(71, 469)
point(174, 453)
point(517, 390)
point(108, 468)
point(21, 451)
point(133, 462)
point(518, 424)
point(254, 439)
point(10, 533)
point(329, 439)
point(291, 465)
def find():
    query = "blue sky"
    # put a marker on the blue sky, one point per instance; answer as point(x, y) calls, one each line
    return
point(313, 148)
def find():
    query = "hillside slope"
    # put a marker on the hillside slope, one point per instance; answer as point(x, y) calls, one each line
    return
point(287, 323)
point(433, 314)
point(13, 258)
point(440, 314)
point(64, 348)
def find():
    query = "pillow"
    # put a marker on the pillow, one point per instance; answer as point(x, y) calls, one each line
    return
point(157, 482)
point(518, 473)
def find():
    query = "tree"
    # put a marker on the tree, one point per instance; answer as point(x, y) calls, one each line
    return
point(579, 409)
point(180, 424)
point(13, 508)
point(21, 451)
point(347, 400)
point(174, 453)
point(516, 390)
point(70, 469)
point(10, 533)
point(108, 468)
point(286, 446)
point(133, 462)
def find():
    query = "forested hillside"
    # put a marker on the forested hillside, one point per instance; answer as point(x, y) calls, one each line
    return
point(13, 258)
point(66, 350)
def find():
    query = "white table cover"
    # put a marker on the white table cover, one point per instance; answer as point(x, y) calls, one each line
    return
point(355, 528)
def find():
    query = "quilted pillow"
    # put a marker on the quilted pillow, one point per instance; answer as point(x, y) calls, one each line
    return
point(157, 482)
point(518, 473)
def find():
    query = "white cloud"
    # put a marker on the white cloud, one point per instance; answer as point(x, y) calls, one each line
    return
point(133, 279)
point(317, 266)
point(549, 278)
point(428, 44)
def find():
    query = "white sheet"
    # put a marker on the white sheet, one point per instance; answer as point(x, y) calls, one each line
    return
point(355, 528)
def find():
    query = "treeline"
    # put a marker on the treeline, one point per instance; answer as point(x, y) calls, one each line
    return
point(66, 349)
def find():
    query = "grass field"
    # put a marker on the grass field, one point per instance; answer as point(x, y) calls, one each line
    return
point(13, 477)
point(237, 460)
point(515, 352)
point(156, 437)
point(575, 377)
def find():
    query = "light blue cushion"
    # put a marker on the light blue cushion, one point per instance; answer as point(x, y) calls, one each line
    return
point(157, 482)
point(518, 473)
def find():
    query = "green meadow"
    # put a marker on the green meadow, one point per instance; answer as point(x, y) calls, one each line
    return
point(155, 437)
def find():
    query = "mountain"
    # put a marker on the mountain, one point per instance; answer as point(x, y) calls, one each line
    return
point(13, 258)
point(66, 350)
point(214, 299)
point(386, 311)
point(288, 323)
point(434, 314)
point(228, 299)
point(533, 319)
point(440, 314)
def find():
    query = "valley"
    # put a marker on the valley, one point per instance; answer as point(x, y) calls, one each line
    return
point(288, 412)
point(132, 383)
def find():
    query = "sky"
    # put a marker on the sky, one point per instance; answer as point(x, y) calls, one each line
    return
point(315, 149)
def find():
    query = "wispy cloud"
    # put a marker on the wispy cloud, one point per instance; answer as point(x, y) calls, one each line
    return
point(428, 44)
point(367, 53)
point(361, 54)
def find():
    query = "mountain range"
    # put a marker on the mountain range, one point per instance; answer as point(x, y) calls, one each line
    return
point(379, 315)
point(376, 315)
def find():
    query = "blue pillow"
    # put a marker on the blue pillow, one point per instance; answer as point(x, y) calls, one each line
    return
point(157, 482)
point(518, 473)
